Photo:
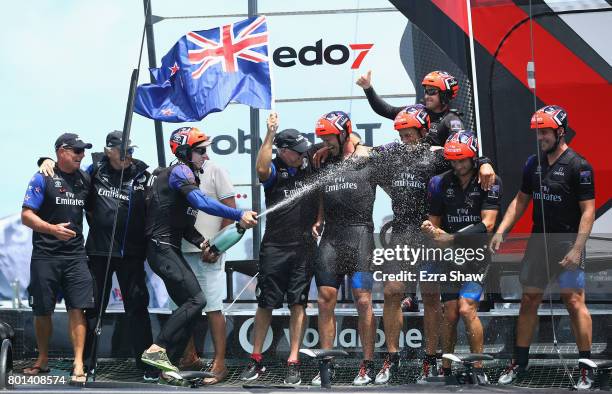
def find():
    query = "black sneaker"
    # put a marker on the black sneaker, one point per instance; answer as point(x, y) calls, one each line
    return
point(252, 371)
point(151, 376)
point(158, 359)
point(364, 376)
point(293, 376)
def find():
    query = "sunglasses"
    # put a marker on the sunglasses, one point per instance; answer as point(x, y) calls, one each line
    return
point(431, 91)
point(200, 151)
point(76, 151)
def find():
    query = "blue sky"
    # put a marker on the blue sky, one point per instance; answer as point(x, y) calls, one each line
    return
point(66, 67)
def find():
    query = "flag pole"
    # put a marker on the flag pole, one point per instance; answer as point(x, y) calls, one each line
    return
point(272, 92)
point(254, 126)
point(474, 77)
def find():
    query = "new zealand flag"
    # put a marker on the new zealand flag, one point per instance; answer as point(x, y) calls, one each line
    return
point(206, 70)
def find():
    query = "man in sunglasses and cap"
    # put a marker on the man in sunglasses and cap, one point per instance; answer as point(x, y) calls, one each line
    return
point(53, 209)
point(127, 196)
point(287, 249)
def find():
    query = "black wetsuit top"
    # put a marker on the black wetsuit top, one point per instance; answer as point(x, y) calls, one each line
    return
point(349, 191)
point(441, 123)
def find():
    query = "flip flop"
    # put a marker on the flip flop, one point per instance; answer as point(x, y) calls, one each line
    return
point(219, 377)
point(78, 379)
point(39, 370)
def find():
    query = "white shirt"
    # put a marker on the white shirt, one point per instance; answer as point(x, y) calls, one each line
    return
point(214, 183)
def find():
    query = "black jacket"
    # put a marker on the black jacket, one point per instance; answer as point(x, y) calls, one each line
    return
point(130, 231)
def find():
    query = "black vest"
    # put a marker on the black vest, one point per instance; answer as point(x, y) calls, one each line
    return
point(169, 215)
point(129, 233)
point(64, 201)
point(442, 125)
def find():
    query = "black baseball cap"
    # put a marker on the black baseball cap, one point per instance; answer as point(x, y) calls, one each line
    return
point(114, 138)
point(292, 139)
point(71, 140)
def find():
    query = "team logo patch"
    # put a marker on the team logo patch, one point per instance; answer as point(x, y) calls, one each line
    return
point(586, 178)
point(57, 183)
point(559, 171)
point(494, 192)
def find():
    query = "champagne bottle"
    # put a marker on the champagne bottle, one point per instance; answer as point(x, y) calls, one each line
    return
point(226, 238)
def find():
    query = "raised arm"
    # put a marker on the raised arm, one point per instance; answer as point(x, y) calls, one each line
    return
point(264, 156)
point(380, 106)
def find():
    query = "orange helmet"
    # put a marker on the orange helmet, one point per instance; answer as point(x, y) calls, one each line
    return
point(551, 116)
point(448, 85)
point(412, 116)
point(183, 139)
point(335, 122)
point(461, 145)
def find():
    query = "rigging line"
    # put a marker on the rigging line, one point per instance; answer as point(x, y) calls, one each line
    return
point(545, 238)
point(351, 82)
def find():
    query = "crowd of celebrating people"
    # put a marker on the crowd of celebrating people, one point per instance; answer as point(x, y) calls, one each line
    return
point(443, 194)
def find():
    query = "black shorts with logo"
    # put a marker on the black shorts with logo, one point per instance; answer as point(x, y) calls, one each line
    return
point(285, 270)
point(71, 276)
point(345, 251)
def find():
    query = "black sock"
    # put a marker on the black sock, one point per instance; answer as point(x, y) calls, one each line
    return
point(521, 355)
point(394, 357)
point(584, 354)
point(431, 359)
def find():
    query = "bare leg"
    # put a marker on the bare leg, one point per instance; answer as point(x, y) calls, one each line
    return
point(582, 325)
point(393, 319)
point(43, 327)
point(78, 328)
point(468, 309)
point(432, 316)
point(297, 324)
point(216, 321)
point(528, 316)
point(367, 328)
point(263, 317)
point(327, 319)
point(449, 329)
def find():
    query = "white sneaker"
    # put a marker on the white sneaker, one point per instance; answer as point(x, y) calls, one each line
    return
point(316, 381)
point(389, 367)
point(481, 377)
point(511, 373)
point(427, 372)
point(363, 376)
point(585, 381)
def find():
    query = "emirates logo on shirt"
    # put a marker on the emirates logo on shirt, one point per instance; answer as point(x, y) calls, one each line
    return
point(544, 194)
